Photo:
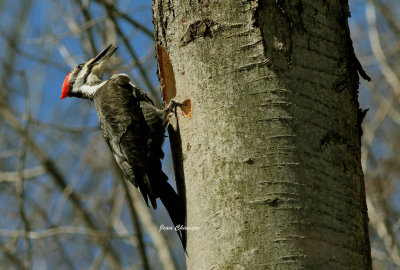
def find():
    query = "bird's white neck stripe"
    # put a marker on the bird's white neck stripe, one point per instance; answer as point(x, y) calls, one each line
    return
point(90, 90)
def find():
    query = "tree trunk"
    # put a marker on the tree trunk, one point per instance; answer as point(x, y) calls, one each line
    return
point(272, 151)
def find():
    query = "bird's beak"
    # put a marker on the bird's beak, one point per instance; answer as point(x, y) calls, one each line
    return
point(97, 64)
point(104, 55)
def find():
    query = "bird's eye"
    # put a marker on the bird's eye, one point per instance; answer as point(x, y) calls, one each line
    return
point(79, 66)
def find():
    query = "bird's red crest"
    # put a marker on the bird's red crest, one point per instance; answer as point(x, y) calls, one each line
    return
point(65, 87)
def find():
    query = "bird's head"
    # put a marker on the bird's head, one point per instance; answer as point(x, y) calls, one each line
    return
point(82, 80)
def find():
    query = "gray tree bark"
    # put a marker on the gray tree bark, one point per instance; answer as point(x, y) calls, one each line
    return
point(271, 155)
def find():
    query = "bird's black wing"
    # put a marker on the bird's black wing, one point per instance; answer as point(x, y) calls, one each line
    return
point(124, 81)
point(122, 122)
point(155, 119)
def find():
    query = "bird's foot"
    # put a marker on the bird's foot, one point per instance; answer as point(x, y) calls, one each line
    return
point(173, 104)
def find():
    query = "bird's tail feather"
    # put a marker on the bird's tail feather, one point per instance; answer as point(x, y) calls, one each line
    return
point(169, 198)
point(147, 193)
point(175, 208)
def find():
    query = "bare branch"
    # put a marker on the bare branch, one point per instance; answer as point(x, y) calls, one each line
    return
point(20, 181)
point(127, 18)
point(57, 176)
point(136, 224)
point(131, 51)
point(159, 241)
point(36, 235)
point(26, 174)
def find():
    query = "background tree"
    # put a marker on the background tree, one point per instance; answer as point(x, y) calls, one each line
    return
point(61, 200)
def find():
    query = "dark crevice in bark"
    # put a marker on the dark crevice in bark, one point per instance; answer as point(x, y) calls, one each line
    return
point(278, 44)
point(360, 118)
point(202, 28)
point(332, 139)
point(162, 23)
point(340, 85)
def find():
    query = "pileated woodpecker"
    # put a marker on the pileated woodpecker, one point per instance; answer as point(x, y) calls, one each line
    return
point(133, 128)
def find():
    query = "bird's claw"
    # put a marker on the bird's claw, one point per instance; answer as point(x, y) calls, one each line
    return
point(173, 104)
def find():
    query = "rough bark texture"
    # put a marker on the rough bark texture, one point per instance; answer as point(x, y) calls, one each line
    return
point(272, 152)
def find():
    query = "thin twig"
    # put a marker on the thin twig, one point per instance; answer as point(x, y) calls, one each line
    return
point(127, 18)
point(135, 222)
point(65, 230)
point(26, 174)
point(131, 51)
point(160, 244)
point(389, 75)
point(88, 18)
point(20, 181)
point(378, 217)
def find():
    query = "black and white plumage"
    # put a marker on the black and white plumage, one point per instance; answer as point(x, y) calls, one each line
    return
point(133, 128)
